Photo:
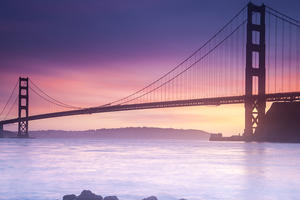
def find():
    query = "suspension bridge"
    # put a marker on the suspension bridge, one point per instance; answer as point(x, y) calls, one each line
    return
point(253, 59)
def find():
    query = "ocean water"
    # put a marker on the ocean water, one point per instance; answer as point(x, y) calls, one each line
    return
point(44, 169)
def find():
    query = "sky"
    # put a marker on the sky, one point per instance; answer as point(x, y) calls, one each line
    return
point(88, 53)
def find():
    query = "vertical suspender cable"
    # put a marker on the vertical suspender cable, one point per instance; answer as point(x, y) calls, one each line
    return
point(268, 47)
point(290, 56)
point(297, 59)
point(275, 57)
point(282, 58)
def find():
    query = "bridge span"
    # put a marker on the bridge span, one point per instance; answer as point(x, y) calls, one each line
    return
point(283, 97)
point(251, 60)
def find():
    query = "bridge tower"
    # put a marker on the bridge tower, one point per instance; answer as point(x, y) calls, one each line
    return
point(23, 108)
point(255, 103)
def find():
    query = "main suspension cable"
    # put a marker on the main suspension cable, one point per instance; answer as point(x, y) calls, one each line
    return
point(11, 107)
point(180, 64)
point(205, 55)
point(54, 101)
point(11, 94)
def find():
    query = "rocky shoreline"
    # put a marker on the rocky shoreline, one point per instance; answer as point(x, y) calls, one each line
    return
point(88, 195)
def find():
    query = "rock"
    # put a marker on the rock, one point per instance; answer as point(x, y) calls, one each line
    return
point(111, 198)
point(69, 197)
point(88, 195)
point(280, 124)
point(150, 198)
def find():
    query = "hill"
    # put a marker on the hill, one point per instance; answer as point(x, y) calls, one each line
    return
point(123, 133)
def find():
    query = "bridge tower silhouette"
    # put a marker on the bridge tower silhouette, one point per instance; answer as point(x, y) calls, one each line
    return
point(23, 107)
point(255, 105)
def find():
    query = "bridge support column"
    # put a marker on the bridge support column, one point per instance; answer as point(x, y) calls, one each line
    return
point(1, 131)
point(255, 102)
point(23, 108)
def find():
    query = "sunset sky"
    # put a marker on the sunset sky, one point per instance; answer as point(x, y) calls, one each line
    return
point(88, 53)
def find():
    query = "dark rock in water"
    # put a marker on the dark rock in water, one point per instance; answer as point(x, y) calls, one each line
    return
point(69, 197)
point(111, 198)
point(150, 198)
point(281, 124)
point(85, 195)
point(88, 195)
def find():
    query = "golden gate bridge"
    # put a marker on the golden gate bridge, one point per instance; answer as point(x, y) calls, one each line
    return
point(253, 59)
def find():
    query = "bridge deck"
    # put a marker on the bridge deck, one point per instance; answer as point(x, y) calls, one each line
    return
point(292, 96)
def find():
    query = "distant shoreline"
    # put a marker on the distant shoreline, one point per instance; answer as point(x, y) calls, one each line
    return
point(120, 133)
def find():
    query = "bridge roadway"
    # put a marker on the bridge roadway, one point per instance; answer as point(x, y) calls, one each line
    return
point(292, 96)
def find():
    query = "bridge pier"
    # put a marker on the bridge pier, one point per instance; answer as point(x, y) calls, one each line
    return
point(255, 51)
point(23, 108)
point(1, 131)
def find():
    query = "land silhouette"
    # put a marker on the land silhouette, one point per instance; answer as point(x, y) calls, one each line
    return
point(121, 133)
point(281, 123)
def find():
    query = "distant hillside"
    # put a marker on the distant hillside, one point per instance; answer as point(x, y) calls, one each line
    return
point(125, 133)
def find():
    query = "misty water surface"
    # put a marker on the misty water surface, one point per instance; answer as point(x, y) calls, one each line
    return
point(44, 169)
